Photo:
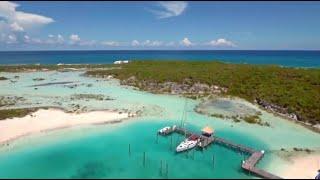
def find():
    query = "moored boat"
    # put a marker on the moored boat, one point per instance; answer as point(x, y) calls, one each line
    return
point(163, 130)
point(167, 129)
point(188, 143)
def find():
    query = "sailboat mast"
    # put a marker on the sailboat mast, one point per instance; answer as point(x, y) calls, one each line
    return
point(183, 115)
point(185, 118)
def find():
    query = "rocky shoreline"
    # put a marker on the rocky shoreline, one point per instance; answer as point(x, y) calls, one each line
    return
point(283, 112)
point(200, 90)
point(186, 88)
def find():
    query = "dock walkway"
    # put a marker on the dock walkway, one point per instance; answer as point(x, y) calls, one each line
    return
point(248, 165)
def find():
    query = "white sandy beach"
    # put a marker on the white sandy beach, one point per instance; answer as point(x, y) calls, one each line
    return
point(302, 167)
point(50, 119)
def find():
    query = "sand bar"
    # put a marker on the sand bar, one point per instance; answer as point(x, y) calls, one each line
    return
point(302, 167)
point(53, 119)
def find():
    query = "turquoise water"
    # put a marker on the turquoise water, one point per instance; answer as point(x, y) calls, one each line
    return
point(106, 155)
point(102, 151)
point(283, 58)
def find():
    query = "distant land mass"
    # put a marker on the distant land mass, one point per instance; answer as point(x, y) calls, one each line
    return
point(282, 57)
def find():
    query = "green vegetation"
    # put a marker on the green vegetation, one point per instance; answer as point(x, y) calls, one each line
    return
point(235, 119)
point(221, 116)
point(38, 79)
point(297, 90)
point(10, 100)
point(11, 113)
point(98, 97)
point(3, 78)
point(252, 119)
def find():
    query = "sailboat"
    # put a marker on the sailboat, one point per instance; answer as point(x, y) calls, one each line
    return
point(188, 143)
point(191, 141)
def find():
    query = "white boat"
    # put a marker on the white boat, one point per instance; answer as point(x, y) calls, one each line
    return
point(121, 62)
point(163, 130)
point(166, 129)
point(188, 143)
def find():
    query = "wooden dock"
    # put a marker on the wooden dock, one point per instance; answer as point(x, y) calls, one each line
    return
point(247, 165)
point(238, 147)
point(250, 163)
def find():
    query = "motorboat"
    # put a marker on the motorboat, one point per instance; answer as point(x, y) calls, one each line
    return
point(167, 129)
point(188, 143)
point(164, 130)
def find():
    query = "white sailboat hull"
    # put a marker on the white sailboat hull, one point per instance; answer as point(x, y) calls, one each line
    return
point(186, 145)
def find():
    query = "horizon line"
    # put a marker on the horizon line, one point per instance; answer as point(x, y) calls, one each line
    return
point(161, 50)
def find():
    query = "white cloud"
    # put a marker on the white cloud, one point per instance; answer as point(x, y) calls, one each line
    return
point(156, 43)
point(55, 39)
point(36, 41)
point(74, 38)
point(171, 43)
point(7, 8)
point(19, 20)
point(26, 37)
point(170, 9)
point(221, 43)
point(15, 24)
point(28, 20)
point(151, 43)
point(135, 43)
point(110, 43)
point(146, 43)
point(186, 42)
point(60, 39)
point(16, 27)
point(11, 39)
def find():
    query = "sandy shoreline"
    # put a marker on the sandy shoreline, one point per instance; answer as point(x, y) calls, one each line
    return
point(301, 166)
point(45, 120)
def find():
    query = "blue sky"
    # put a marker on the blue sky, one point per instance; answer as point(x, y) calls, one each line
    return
point(159, 25)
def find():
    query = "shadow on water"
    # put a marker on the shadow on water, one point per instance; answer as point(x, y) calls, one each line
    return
point(95, 169)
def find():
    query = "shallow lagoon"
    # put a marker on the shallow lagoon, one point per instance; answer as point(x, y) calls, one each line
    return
point(102, 151)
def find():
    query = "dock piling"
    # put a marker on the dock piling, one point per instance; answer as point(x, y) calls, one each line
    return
point(167, 170)
point(144, 159)
point(129, 151)
point(213, 161)
point(160, 167)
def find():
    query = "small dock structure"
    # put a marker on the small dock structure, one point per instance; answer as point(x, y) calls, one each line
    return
point(249, 165)
point(206, 139)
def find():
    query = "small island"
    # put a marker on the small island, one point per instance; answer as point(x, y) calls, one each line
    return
point(274, 88)
point(249, 99)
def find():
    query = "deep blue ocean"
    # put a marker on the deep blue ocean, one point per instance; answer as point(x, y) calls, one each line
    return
point(282, 58)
